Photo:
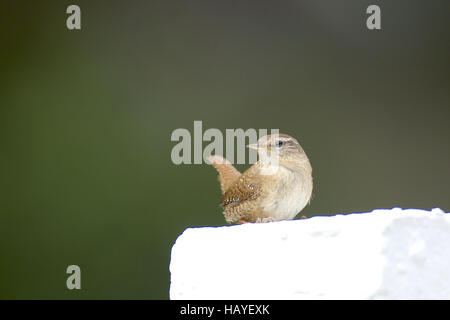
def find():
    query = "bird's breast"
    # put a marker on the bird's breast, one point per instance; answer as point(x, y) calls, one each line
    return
point(287, 194)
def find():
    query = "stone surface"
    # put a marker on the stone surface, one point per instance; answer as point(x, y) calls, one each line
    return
point(383, 254)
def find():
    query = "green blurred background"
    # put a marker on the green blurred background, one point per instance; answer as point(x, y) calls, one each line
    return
point(86, 118)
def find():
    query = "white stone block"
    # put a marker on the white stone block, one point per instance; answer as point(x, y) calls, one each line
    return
point(384, 254)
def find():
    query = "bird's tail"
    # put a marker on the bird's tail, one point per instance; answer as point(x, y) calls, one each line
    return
point(227, 172)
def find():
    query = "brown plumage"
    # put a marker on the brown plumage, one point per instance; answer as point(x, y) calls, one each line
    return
point(276, 187)
point(227, 173)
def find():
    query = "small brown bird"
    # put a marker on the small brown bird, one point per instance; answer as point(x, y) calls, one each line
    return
point(277, 187)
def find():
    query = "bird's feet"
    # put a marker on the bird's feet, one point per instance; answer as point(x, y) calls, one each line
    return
point(258, 220)
point(264, 220)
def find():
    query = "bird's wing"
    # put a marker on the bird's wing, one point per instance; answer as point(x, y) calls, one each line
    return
point(227, 173)
point(240, 200)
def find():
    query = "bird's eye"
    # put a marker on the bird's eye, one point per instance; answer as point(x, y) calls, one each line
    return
point(279, 143)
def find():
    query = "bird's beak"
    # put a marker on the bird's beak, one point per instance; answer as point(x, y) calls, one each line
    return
point(254, 146)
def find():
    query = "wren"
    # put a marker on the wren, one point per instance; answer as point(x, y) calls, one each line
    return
point(277, 187)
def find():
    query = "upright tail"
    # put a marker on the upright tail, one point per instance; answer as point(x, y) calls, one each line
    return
point(227, 172)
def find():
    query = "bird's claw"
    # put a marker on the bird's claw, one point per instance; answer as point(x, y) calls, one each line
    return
point(264, 220)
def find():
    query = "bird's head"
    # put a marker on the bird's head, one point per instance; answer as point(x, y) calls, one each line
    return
point(280, 148)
